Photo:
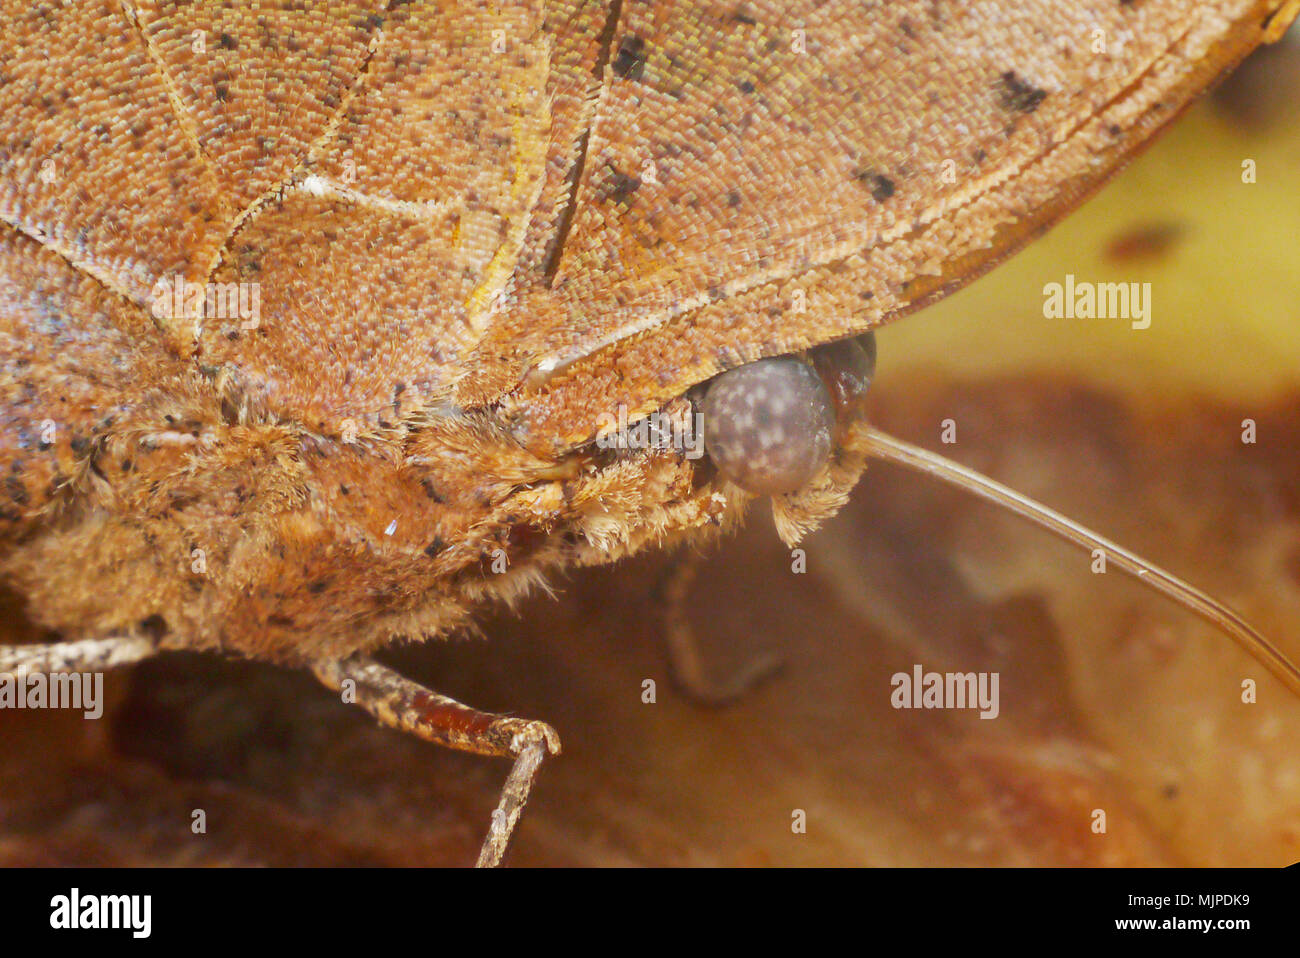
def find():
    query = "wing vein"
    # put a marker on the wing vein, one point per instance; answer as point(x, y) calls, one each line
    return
point(565, 222)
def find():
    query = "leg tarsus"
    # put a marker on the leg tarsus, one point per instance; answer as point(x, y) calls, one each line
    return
point(531, 747)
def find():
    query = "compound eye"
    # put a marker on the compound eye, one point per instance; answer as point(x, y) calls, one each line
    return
point(768, 425)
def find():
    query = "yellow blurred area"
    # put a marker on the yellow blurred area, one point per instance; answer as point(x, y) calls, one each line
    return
point(1225, 292)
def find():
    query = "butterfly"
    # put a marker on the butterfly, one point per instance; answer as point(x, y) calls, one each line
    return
point(324, 326)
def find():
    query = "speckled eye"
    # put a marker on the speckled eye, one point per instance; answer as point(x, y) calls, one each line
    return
point(768, 424)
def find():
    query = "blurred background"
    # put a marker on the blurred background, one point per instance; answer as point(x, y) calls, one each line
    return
point(1112, 698)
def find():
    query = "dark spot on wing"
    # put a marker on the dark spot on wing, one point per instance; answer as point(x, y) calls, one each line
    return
point(881, 187)
point(630, 61)
point(618, 187)
point(1019, 95)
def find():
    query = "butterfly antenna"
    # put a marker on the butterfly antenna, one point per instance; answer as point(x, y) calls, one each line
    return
point(873, 442)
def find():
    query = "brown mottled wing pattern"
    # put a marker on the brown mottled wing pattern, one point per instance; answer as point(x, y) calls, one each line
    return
point(473, 228)
point(370, 168)
point(764, 176)
point(380, 263)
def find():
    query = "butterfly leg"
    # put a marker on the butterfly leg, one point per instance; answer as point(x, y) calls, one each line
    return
point(684, 656)
point(402, 704)
point(85, 655)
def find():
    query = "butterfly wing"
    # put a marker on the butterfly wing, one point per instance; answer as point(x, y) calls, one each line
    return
point(760, 177)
